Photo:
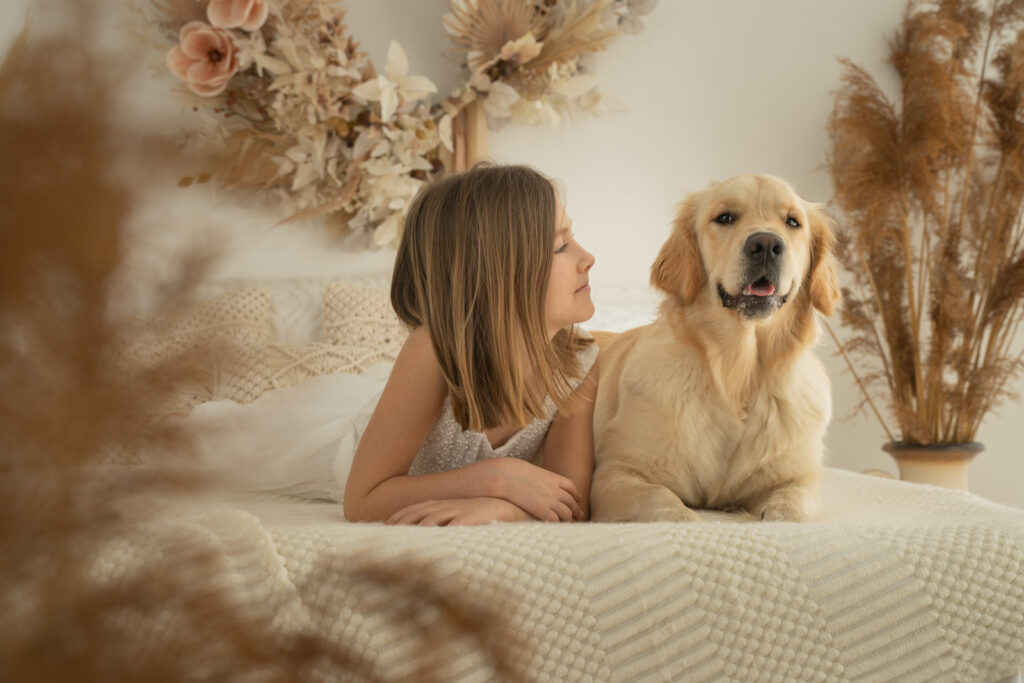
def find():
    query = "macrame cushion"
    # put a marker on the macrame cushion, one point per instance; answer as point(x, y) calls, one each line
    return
point(191, 336)
point(243, 372)
point(357, 314)
point(240, 317)
point(239, 345)
point(296, 304)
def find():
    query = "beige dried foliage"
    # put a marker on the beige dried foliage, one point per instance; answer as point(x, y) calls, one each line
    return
point(932, 191)
point(65, 410)
point(580, 30)
point(537, 49)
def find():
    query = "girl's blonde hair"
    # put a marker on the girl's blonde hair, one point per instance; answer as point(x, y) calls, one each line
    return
point(473, 268)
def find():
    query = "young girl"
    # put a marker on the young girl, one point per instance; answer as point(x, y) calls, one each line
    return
point(484, 416)
point(487, 413)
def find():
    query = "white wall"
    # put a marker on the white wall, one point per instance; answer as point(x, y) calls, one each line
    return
point(710, 89)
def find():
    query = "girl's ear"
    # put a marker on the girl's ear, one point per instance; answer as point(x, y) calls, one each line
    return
point(824, 281)
point(678, 270)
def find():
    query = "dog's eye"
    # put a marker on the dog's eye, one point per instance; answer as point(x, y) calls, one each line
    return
point(725, 218)
point(792, 222)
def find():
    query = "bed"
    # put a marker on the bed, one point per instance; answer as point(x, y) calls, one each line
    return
point(892, 581)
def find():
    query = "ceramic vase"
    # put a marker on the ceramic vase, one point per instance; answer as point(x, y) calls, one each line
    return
point(937, 464)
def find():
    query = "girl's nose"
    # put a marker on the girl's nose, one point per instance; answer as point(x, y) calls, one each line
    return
point(587, 261)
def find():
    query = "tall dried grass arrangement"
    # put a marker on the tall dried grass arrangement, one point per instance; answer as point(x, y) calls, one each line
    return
point(932, 193)
point(64, 407)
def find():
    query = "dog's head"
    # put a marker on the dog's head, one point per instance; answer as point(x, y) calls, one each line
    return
point(754, 245)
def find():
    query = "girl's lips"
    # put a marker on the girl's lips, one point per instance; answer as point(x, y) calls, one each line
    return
point(584, 288)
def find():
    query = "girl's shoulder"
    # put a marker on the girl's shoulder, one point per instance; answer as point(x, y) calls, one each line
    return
point(419, 342)
point(417, 360)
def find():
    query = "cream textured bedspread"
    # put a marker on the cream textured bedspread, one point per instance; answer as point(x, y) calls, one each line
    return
point(893, 582)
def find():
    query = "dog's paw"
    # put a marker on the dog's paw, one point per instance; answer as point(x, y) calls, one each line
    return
point(675, 513)
point(790, 504)
point(782, 511)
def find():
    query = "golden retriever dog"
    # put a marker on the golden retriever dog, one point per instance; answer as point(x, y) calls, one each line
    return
point(719, 403)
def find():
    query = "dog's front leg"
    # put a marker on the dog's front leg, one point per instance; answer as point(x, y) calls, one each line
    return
point(619, 493)
point(793, 502)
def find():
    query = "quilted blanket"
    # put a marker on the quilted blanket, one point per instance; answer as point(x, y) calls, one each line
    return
point(892, 581)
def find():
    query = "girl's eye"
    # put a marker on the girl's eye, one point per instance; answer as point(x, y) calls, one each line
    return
point(725, 218)
point(792, 222)
point(562, 248)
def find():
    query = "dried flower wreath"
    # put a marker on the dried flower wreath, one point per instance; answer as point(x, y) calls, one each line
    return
point(290, 106)
point(932, 194)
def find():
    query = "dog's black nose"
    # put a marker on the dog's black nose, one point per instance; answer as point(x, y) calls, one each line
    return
point(764, 246)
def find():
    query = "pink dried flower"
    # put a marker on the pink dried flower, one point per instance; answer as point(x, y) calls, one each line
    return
point(206, 58)
point(247, 15)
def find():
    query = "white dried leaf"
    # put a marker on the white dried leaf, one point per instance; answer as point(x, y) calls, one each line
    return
point(275, 66)
point(304, 176)
point(576, 86)
point(364, 143)
point(444, 131)
point(421, 164)
point(523, 49)
point(296, 154)
point(370, 90)
point(387, 231)
point(415, 87)
point(500, 99)
point(398, 64)
point(388, 100)
point(480, 81)
point(287, 48)
point(284, 164)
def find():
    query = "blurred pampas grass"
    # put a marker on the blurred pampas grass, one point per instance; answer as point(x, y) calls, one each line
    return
point(66, 407)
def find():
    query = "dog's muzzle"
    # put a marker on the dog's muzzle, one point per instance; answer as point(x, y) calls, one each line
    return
point(758, 298)
point(752, 306)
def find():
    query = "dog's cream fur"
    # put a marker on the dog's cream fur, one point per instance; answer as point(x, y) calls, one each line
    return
point(707, 407)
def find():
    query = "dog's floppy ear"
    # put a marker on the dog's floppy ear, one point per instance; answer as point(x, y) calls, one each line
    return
point(678, 269)
point(824, 281)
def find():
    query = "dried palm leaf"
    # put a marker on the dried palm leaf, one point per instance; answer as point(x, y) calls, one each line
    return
point(483, 27)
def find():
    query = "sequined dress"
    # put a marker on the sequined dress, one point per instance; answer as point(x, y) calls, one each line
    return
point(448, 446)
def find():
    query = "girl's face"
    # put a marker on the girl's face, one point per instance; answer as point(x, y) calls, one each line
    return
point(568, 296)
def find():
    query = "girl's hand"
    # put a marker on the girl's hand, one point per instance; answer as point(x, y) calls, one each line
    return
point(459, 512)
point(544, 494)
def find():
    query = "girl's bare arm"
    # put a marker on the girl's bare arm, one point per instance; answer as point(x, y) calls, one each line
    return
point(569, 446)
point(379, 484)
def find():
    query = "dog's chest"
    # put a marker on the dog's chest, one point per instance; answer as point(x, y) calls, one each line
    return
point(742, 441)
point(735, 422)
